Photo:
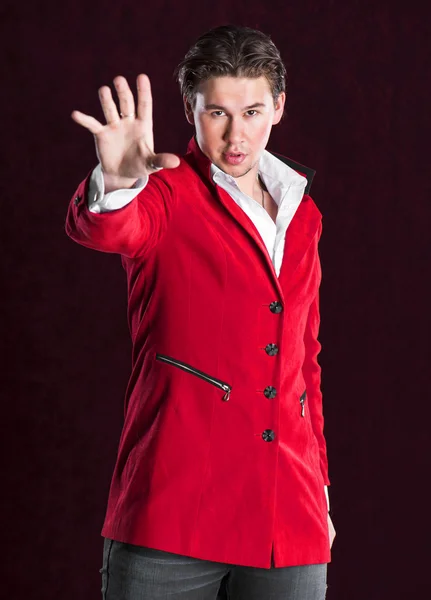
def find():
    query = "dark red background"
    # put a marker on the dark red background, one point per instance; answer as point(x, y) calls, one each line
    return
point(358, 112)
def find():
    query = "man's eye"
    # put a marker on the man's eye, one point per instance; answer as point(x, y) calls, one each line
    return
point(251, 112)
point(217, 113)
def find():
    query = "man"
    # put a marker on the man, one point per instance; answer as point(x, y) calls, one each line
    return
point(222, 463)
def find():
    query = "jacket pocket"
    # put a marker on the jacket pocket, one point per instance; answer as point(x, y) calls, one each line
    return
point(225, 387)
point(302, 400)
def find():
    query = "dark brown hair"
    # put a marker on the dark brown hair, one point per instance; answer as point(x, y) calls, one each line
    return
point(231, 51)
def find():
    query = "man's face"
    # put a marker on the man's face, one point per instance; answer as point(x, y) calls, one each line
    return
point(233, 118)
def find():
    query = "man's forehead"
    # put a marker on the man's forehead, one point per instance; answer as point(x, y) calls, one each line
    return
point(234, 89)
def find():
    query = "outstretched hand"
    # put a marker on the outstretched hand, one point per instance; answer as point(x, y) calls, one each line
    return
point(125, 145)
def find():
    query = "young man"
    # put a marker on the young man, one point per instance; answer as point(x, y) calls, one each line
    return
point(221, 468)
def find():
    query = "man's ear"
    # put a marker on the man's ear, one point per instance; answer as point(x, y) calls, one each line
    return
point(188, 111)
point(279, 108)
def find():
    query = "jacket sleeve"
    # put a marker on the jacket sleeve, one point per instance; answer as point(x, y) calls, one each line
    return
point(130, 231)
point(312, 376)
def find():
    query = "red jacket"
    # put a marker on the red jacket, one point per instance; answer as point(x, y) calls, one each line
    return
point(222, 455)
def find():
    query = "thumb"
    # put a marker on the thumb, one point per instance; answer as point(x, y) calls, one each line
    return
point(165, 161)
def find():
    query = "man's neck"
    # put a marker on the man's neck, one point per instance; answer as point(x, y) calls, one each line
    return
point(249, 183)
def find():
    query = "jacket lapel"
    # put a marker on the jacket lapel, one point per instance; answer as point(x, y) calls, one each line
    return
point(299, 235)
point(203, 164)
point(245, 222)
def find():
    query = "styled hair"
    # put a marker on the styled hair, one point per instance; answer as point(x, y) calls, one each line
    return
point(231, 51)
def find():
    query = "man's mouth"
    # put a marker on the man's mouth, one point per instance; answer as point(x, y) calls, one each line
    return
point(234, 158)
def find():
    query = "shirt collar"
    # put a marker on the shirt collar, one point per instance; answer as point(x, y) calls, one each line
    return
point(277, 176)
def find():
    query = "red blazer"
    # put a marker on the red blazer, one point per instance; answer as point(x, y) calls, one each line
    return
point(222, 455)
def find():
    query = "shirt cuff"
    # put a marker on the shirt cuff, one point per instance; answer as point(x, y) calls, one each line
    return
point(99, 202)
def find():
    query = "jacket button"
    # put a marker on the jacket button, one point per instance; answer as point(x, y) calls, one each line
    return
point(270, 392)
point(275, 307)
point(271, 349)
point(77, 200)
point(268, 435)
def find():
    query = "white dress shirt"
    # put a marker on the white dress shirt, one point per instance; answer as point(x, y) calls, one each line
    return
point(284, 185)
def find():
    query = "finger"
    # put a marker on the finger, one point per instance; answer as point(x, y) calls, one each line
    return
point(145, 102)
point(125, 97)
point(108, 105)
point(164, 161)
point(86, 121)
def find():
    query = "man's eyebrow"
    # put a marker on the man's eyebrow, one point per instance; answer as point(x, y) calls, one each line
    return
point(218, 107)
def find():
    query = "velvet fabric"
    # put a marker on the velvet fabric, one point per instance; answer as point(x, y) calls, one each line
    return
point(194, 474)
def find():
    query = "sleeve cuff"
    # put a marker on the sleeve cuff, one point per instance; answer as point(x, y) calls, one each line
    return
point(99, 202)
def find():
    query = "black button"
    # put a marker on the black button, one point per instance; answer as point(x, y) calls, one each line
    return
point(275, 307)
point(271, 349)
point(77, 200)
point(268, 435)
point(270, 392)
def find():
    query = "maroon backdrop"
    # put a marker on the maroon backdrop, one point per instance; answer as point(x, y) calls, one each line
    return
point(357, 112)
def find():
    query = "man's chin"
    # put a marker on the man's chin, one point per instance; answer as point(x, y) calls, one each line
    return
point(234, 171)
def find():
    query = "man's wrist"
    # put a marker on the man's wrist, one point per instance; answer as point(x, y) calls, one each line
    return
point(113, 183)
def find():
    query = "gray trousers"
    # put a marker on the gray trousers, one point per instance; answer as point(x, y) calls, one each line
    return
point(137, 573)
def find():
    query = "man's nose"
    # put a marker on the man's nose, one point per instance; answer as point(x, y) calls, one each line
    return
point(234, 133)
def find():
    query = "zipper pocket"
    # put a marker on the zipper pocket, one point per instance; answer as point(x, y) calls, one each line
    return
point(302, 401)
point(188, 369)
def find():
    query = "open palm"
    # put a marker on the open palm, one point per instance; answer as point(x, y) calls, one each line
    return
point(125, 145)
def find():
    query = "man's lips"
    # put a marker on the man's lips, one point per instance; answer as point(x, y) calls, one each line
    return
point(234, 158)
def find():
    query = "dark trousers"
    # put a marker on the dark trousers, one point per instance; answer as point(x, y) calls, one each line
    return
point(135, 573)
